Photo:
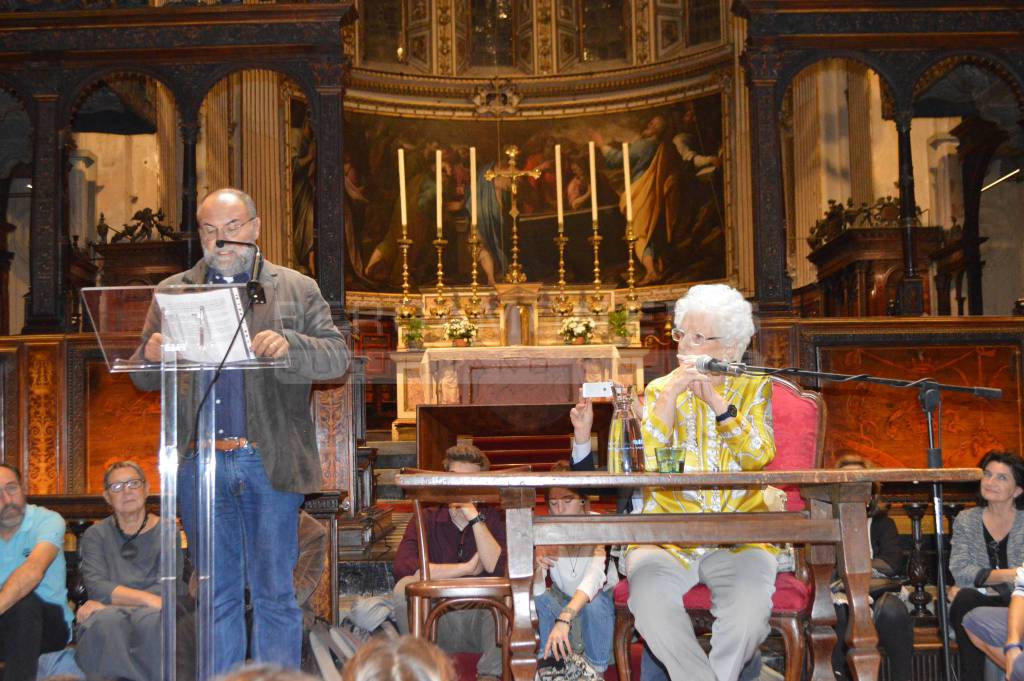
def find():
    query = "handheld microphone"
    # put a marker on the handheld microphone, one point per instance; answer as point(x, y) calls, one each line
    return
point(710, 365)
point(253, 287)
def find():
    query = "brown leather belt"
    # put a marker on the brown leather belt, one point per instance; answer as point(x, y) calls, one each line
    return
point(228, 444)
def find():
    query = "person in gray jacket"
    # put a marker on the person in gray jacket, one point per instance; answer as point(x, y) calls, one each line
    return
point(267, 456)
point(987, 546)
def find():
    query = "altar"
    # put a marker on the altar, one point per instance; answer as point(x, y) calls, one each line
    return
point(519, 374)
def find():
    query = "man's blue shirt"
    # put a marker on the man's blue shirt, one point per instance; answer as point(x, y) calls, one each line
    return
point(39, 525)
point(229, 405)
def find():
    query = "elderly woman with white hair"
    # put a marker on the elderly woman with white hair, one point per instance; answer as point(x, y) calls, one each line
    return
point(723, 423)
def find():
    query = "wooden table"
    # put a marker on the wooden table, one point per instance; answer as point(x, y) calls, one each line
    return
point(836, 520)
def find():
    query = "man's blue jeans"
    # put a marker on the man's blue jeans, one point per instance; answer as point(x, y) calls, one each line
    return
point(596, 621)
point(256, 543)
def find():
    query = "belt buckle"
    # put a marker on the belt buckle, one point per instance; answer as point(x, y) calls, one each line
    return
point(236, 442)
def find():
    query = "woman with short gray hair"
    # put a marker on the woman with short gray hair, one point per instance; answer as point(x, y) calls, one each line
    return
point(722, 423)
point(120, 567)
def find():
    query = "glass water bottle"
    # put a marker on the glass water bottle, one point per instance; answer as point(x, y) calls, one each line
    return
point(625, 441)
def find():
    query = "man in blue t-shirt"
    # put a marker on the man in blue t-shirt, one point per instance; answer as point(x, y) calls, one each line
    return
point(34, 613)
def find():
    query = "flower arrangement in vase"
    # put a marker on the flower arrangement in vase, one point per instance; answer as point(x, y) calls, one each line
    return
point(460, 331)
point(577, 330)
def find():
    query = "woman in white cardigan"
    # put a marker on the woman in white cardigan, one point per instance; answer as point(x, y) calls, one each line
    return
point(578, 607)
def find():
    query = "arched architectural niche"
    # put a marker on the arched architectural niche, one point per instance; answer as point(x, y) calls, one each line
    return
point(943, 65)
point(247, 140)
point(797, 62)
point(987, 142)
point(147, 170)
point(837, 149)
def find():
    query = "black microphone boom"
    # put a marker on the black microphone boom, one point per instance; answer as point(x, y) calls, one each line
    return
point(253, 287)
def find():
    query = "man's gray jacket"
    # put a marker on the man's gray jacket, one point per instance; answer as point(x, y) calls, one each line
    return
point(278, 418)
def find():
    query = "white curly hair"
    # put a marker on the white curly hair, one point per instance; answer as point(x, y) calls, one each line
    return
point(732, 316)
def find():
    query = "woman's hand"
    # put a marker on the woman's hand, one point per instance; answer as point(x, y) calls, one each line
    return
point(558, 641)
point(701, 385)
point(543, 557)
point(87, 609)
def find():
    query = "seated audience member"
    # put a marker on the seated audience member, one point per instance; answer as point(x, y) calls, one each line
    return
point(34, 613)
point(464, 542)
point(892, 620)
point(724, 423)
point(987, 540)
point(406, 658)
point(121, 568)
point(999, 632)
point(579, 602)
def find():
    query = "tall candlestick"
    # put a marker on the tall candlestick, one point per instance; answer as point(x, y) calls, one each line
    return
point(629, 183)
point(472, 185)
point(593, 183)
point(440, 191)
point(558, 187)
point(401, 185)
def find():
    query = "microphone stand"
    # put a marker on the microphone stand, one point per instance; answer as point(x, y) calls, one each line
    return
point(929, 396)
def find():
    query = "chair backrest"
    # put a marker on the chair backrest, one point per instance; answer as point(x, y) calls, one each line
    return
point(798, 418)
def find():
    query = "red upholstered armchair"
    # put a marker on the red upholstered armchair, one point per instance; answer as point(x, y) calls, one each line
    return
point(799, 426)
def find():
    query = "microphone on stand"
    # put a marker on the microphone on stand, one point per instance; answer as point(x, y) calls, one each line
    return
point(709, 365)
point(252, 287)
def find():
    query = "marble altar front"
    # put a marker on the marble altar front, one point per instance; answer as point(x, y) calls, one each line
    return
point(522, 374)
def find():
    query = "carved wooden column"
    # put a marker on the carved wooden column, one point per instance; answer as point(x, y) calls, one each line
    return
point(189, 136)
point(330, 185)
point(911, 295)
point(773, 285)
point(44, 312)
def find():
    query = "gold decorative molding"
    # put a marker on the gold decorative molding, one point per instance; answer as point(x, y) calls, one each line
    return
point(44, 417)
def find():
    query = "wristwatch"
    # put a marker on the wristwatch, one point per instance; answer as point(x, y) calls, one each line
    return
point(480, 517)
point(727, 414)
point(1010, 646)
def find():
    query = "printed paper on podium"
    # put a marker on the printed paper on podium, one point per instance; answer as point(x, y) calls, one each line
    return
point(204, 325)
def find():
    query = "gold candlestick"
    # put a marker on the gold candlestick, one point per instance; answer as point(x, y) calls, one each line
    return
point(405, 309)
point(562, 304)
point(473, 308)
point(595, 300)
point(442, 306)
point(632, 303)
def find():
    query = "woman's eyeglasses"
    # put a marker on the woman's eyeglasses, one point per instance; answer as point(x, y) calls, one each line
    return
point(678, 335)
point(134, 483)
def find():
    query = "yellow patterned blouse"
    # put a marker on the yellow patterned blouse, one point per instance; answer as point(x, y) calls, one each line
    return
point(743, 443)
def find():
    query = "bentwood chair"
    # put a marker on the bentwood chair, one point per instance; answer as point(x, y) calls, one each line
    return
point(430, 599)
point(799, 427)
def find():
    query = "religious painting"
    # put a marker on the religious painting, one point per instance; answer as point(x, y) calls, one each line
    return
point(677, 191)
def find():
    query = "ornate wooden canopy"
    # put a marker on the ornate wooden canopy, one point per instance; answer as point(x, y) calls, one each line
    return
point(52, 52)
point(910, 45)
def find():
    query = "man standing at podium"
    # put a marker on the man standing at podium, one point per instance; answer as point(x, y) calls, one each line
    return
point(266, 452)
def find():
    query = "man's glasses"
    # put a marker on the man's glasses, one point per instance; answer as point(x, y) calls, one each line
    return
point(229, 230)
point(678, 335)
point(134, 483)
point(460, 552)
point(11, 489)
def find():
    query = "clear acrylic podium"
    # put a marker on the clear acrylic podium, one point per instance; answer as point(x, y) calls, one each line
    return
point(201, 332)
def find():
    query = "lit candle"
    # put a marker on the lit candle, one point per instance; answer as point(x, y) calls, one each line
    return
point(558, 186)
point(472, 186)
point(629, 191)
point(437, 164)
point(401, 185)
point(593, 183)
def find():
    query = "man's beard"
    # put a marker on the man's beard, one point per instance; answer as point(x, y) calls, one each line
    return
point(239, 264)
point(11, 516)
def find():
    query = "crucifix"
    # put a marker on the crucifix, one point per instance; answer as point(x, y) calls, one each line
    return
point(515, 271)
